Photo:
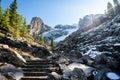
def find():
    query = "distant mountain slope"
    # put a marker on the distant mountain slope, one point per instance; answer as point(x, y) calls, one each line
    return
point(60, 32)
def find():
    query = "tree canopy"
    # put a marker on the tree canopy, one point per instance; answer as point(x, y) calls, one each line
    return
point(12, 21)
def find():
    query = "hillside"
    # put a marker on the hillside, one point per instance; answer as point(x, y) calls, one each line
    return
point(98, 47)
point(14, 52)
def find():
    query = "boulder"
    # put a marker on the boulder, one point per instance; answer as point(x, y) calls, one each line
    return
point(78, 74)
point(63, 60)
point(87, 60)
point(87, 69)
point(76, 60)
point(11, 56)
point(11, 71)
point(56, 76)
point(64, 68)
point(40, 52)
point(113, 63)
point(100, 59)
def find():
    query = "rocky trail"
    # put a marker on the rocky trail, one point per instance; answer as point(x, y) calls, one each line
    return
point(39, 70)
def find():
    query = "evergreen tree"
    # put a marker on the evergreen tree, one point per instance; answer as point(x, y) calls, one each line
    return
point(110, 10)
point(1, 17)
point(42, 40)
point(6, 20)
point(0, 2)
point(24, 29)
point(19, 21)
point(52, 42)
point(19, 25)
point(117, 6)
point(13, 13)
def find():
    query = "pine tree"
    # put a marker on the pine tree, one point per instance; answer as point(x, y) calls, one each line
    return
point(42, 40)
point(1, 17)
point(25, 30)
point(13, 13)
point(6, 20)
point(52, 42)
point(117, 6)
point(110, 10)
point(0, 2)
point(18, 27)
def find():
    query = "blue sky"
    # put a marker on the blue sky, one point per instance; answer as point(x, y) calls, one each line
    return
point(55, 12)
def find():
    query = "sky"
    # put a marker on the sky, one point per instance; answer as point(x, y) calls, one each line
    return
point(54, 12)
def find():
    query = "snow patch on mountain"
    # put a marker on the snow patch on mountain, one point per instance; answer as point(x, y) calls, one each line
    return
point(70, 31)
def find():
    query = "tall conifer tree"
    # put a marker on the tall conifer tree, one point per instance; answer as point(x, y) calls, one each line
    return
point(1, 17)
point(13, 13)
point(6, 20)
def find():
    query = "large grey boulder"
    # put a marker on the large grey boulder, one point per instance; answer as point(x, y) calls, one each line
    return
point(10, 56)
point(11, 71)
point(76, 74)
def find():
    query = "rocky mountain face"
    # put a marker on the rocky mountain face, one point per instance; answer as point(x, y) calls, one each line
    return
point(98, 45)
point(59, 32)
point(90, 21)
point(36, 26)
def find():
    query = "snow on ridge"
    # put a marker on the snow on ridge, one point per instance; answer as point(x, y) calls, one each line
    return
point(70, 31)
point(92, 53)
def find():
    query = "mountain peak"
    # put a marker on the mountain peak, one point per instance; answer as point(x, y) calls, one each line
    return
point(36, 25)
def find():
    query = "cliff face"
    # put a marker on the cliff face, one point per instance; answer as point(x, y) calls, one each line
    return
point(90, 21)
point(36, 26)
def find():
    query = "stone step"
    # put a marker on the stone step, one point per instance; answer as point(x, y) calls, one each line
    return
point(36, 70)
point(39, 63)
point(54, 69)
point(35, 78)
point(35, 74)
point(38, 66)
point(39, 70)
